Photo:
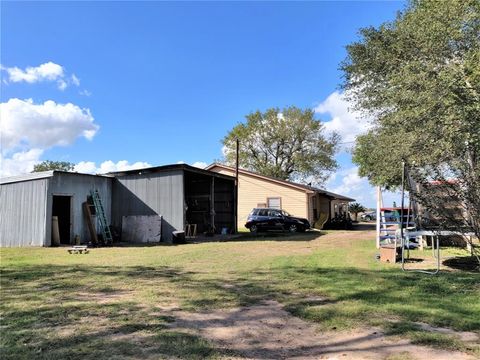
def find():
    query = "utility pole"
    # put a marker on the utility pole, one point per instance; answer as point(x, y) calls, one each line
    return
point(237, 146)
point(379, 205)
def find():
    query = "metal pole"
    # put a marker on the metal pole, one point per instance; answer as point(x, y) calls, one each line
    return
point(237, 146)
point(237, 150)
point(379, 205)
point(402, 242)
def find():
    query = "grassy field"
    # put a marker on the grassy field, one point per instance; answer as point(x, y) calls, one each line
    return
point(110, 302)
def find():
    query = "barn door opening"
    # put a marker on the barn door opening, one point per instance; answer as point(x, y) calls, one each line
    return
point(198, 201)
point(61, 207)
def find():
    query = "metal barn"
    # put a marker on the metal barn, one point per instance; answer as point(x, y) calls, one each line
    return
point(28, 202)
point(180, 193)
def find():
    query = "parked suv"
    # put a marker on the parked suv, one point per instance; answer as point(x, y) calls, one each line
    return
point(368, 216)
point(263, 219)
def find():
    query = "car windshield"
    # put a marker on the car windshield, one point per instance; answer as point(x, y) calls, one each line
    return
point(285, 213)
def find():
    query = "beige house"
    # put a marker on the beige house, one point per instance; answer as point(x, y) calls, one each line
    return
point(255, 190)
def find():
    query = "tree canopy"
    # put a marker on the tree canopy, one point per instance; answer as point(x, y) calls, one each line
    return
point(284, 143)
point(356, 208)
point(419, 78)
point(53, 165)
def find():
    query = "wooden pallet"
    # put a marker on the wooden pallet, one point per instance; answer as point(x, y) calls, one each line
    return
point(78, 249)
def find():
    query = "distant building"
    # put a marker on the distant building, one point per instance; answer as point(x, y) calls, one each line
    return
point(255, 190)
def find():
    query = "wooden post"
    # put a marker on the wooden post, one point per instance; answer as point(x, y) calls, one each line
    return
point(55, 231)
point(212, 204)
point(90, 224)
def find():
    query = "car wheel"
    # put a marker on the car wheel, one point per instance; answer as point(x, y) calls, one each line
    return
point(292, 228)
point(368, 218)
point(253, 228)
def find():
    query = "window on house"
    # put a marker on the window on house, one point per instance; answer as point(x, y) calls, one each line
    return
point(274, 203)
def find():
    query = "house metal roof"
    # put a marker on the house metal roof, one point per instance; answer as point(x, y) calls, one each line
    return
point(26, 177)
point(41, 175)
point(162, 168)
point(48, 174)
point(307, 188)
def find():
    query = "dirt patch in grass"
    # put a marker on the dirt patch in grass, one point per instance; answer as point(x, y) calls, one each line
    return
point(267, 331)
point(466, 336)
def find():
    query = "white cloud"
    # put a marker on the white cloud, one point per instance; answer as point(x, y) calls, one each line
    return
point(89, 167)
point(109, 166)
point(45, 72)
point(62, 84)
point(225, 150)
point(27, 129)
point(20, 162)
point(345, 121)
point(86, 167)
point(347, 182)
point(200, 164)
point(28, 125)
point(85, 92)
point(75, 80)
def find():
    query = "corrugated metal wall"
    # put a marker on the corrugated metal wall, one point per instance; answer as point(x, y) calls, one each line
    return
point(159, 193)
point(78, 186)
point(23, 213)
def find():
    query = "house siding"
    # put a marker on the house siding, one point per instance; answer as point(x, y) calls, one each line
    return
point(252, 191)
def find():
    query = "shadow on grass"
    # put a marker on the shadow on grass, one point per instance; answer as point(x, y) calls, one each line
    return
point(87, 312)
point(369, 297)
point(464, 263)
point(279, 236)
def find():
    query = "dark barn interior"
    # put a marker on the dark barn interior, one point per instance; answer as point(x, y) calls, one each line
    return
point(209, 201)
point(61, 206)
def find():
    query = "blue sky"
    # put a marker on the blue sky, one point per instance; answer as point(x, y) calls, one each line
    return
point(155, 83)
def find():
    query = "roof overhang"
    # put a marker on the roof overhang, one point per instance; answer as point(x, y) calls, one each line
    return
point(306, 188)
point(172, 167)
point(43, 175)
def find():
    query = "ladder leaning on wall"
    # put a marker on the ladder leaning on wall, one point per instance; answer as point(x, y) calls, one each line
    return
point(101, 218)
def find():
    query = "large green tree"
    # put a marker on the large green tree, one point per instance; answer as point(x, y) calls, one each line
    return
point(53, 165)
point(284, 143)
point(419, 78)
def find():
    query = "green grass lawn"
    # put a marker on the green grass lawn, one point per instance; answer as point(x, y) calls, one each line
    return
point(109, 303)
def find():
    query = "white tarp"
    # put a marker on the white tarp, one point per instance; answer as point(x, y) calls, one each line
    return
point(142, 228)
